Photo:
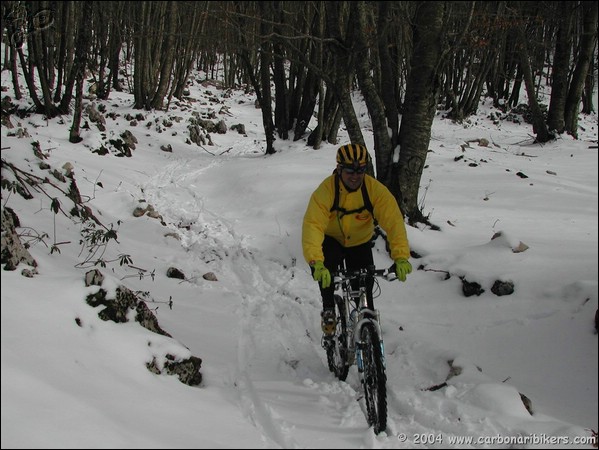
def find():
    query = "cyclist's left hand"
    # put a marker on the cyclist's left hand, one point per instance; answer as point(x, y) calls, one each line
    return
point(402, 268)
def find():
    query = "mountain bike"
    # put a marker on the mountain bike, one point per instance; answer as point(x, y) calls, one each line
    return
point(358, 339)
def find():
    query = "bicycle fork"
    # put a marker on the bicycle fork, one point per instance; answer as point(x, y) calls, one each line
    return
point(360, 345)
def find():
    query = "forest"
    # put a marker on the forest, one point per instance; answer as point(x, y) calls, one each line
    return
point(305, 60)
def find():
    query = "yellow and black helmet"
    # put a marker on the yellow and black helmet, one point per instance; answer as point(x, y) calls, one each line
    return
point(352, 155)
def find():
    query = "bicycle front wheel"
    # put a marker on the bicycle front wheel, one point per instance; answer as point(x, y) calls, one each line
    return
point(336, 346)
point(374, 379)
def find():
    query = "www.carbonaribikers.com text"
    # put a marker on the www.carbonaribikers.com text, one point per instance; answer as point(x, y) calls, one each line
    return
point(533, 439)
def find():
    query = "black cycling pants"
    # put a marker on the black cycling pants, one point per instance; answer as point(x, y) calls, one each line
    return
point(357, 257)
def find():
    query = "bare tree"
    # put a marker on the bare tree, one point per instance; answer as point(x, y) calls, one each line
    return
point(588, 41)
point(19, 23)
point(341, 33)
point(402, 56)
point(539, 125)
point(168, 51)
point(560, 67)
point(40, 45)
point(154, 30)
point(79, 66)
point(419, 107)
point(10, 20)
point(374, 103)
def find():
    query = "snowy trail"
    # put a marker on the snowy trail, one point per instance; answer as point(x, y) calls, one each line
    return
point(274, 381)
point(272, 305)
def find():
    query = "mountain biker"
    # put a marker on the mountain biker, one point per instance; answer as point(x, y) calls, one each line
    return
point(339, 224)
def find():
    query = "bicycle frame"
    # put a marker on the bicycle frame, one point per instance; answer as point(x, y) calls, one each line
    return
point(357, 310)
point(359, 340)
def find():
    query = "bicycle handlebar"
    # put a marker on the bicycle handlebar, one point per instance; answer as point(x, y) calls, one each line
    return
point(345, 274)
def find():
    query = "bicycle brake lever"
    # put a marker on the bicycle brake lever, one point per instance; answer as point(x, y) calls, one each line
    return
point(390, 276)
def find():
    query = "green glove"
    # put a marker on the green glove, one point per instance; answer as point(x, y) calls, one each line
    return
point(402, 268)
point(322, 274)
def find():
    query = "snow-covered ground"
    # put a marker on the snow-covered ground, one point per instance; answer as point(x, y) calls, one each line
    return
point(71, 380)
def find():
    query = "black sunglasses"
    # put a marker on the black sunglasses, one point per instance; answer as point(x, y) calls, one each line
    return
point(351, 169)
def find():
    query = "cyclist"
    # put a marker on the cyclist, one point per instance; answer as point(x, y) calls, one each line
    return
point(339, 225)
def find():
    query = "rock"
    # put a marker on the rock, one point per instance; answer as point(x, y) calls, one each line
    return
point(500, 288)
point(173, 272)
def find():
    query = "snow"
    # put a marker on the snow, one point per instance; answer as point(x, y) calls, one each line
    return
point(72, 380)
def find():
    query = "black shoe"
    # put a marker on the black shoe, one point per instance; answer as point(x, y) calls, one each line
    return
point(328, 322)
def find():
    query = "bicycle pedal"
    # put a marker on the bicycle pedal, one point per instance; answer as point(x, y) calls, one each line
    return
point(328, 322)
point(329, 329)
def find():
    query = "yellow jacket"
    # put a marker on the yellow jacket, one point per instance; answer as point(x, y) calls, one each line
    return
point(352, 229)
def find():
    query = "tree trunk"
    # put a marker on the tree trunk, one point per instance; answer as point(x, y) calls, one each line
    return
point(539, 126)
point(588, 40)
point(343, 61)
point(194, 22)
point(308, 103)
point(265, 60)
point(74, 136)
point(374, 104)
point(65, 9)
point(168, 52)
point(14, 73)
point(515, 95)
point(316, 135)
point(329, 123)
point(589, 87)
point(115, 46)
point(143, 41)
point(281, 108)
point(334, 129)
point(16, 22)
point(419, 108)
point(80, 64)
point(560, 69)
point(39, 52)
point(66, 55)
point(388, 95)
point(315, 138)
point(281, 91)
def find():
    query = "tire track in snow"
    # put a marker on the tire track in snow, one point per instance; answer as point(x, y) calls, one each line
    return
point(276, 345)
point(280, 366)
point(212, 239)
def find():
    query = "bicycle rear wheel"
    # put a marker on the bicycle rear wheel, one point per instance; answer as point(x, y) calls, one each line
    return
point(336, 346)
point(374, 379)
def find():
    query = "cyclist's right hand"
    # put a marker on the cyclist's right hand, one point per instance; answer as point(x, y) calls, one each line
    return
point(321, 274)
